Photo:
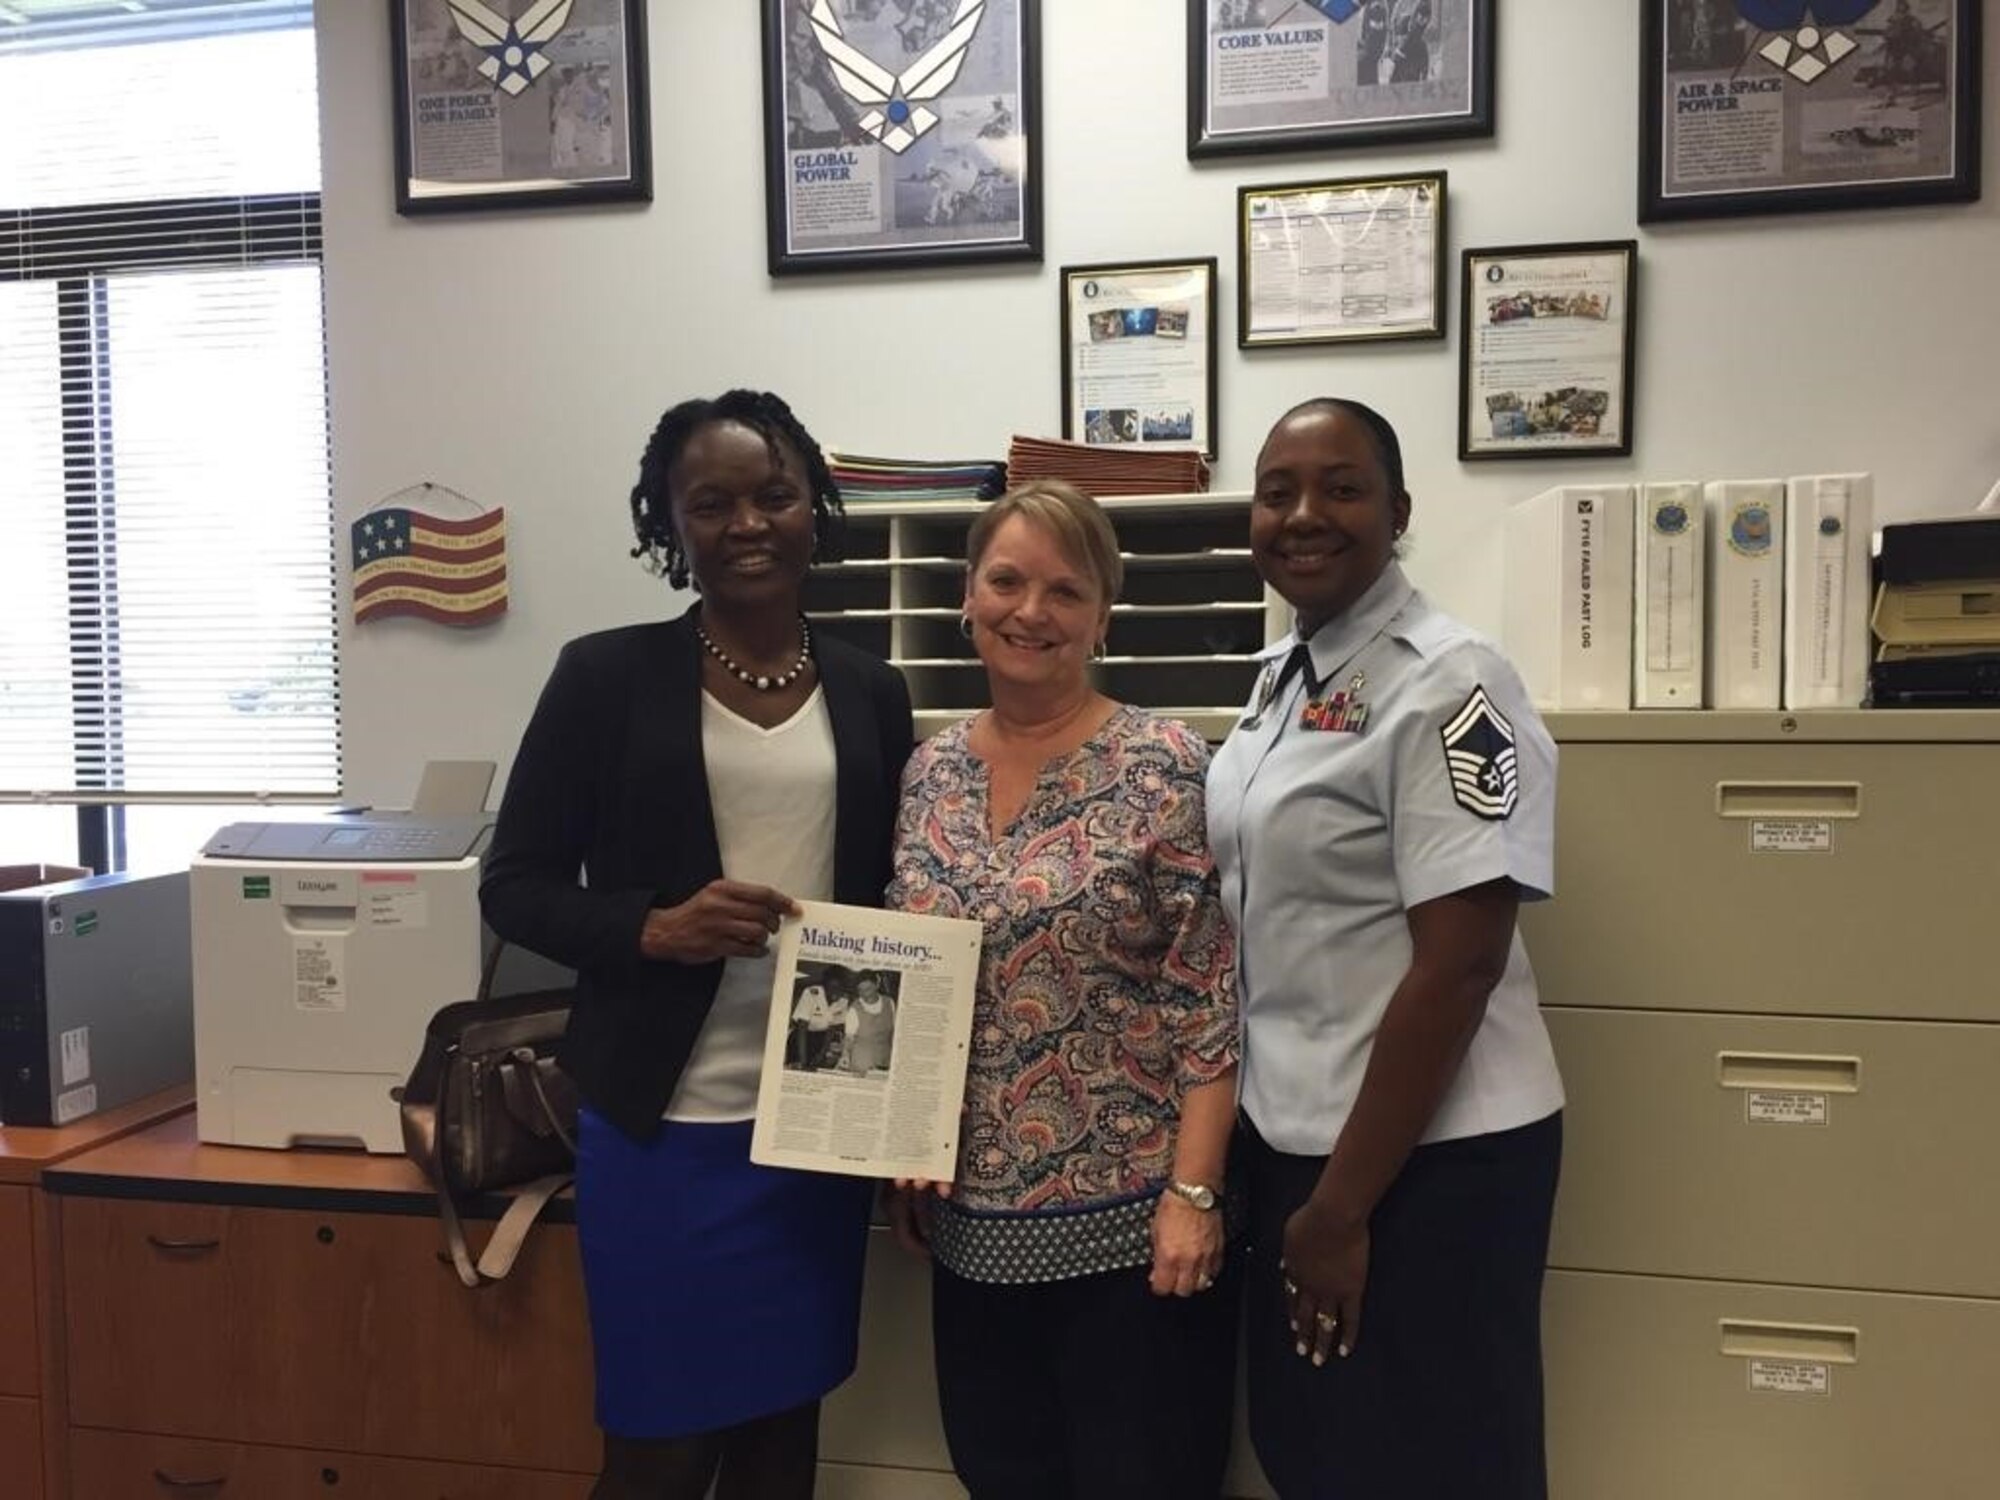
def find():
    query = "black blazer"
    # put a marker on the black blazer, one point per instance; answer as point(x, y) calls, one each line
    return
point(609, 779)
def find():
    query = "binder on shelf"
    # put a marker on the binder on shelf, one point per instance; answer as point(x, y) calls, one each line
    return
point(1746, 584)
point(1667, 600)
point(1826, 589)
point(1568, 615)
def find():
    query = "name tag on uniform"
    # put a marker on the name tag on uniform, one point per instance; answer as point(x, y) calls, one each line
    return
point(1341, 712)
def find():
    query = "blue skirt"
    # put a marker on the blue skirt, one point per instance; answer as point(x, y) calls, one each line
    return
point(719, 1290)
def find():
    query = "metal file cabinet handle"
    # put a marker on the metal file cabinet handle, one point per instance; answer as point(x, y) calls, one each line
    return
point(1745, 1338)
point(1788, 799)
point(1800, 1072)
point(183, 1247)
point(168, 1481)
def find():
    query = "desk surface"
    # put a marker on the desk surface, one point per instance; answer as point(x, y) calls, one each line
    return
point(28, 1151)
point(168, 1161)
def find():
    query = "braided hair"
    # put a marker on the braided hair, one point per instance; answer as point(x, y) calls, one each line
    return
point(659, 547)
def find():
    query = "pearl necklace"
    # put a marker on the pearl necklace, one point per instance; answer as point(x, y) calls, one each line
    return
point(762, 683)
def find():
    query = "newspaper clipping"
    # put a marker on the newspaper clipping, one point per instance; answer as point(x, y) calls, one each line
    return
point(903, 124)
point(1274, 64)
point(1859, 99)
point(561, 117)
point(864, 1060)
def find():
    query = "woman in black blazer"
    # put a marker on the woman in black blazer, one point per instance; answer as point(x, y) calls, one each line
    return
point(700, 775)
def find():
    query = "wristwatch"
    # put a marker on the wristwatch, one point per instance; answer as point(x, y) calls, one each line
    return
point(1198, 1194)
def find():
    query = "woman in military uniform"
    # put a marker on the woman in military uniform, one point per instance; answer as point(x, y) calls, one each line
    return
point(1382, 808)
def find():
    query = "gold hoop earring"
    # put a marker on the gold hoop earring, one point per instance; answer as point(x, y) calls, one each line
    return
point(1101, 650)
point(965, 626)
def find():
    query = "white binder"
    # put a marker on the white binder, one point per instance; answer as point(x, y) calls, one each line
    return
point(1826, 589)
point(1568, 615)
point(1746, 582)
point(1668, 602)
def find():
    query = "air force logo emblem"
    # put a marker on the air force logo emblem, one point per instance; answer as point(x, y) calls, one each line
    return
point(895, 102)
point(515, 55)
point(1806, 42)
point(1479, 755)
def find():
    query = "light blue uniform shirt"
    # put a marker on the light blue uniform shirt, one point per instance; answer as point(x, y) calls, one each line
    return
point(1324, 838)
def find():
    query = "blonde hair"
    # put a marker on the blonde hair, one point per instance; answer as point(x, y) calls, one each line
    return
point(1078, 523)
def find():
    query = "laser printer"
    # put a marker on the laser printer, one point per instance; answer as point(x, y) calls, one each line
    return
point(321, 950)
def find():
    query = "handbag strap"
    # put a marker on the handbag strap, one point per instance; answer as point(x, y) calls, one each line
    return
point(490, 967)
point(420, 1136)
point(503, 1246)
point(526, 1075)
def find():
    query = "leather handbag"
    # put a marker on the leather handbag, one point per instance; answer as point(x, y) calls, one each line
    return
point(488, 1109)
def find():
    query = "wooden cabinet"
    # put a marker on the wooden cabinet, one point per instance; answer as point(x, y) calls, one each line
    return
point(138, 1466)
point(333, 1330)
point(1183, 637)
point(20, 1353)
point(21, 1448)
point(32, 1451)
point(20, 1349)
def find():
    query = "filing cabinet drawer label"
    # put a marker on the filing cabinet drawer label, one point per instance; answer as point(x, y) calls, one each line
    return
point(1762, 1107)
point(1791, 1377)
point(1791, 836)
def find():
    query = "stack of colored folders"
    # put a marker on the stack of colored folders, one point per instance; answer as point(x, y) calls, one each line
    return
point(863, 480)
point(1112, 469)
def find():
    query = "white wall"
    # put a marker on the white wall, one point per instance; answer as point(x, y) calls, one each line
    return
point(523, 358)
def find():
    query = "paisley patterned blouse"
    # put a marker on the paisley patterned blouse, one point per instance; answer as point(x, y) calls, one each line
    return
point(1107, 987)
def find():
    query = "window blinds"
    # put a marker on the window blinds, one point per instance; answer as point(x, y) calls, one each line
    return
point(167, 610)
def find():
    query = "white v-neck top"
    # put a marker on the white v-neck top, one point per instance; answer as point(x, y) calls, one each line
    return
point(772, 791)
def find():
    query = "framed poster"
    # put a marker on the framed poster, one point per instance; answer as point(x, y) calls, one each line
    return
point(1341, 261)
point(1138, 354)
point(1288, 75)
point(901, 132)
point(1546, 354)
point(519, 104)
point(1784, 106)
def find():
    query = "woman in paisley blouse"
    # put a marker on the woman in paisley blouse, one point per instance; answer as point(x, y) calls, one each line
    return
point(1083, 1302)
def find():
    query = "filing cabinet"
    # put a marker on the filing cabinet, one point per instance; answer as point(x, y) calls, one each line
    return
point(1776, 1259)
point(1661, 1388)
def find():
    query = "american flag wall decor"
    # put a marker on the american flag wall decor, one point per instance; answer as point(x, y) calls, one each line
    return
point(409, 562)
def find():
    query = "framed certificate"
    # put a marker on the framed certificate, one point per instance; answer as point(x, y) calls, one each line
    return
point(901, 132)
point(1330, 262)
point(1138, 354)
point(505, 104)
point(1285, 75)
point(1777, 106)
point(1546, 355)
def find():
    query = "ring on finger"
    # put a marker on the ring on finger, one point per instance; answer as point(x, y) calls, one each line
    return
point(1326, 1321)
point(1291, 1287)
point(1204, 1283)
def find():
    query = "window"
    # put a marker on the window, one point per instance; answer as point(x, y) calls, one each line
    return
point(167, 606)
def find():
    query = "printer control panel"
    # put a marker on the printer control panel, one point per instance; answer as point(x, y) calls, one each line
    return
point(376, 839)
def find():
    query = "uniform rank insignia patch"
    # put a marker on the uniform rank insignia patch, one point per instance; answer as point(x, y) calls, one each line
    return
point(1479, 754)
